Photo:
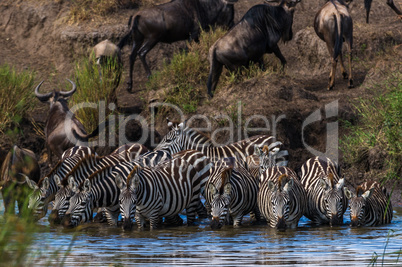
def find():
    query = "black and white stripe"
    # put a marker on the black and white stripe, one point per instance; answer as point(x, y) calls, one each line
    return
point(181, 138)
point(282, 199)
point(370, 206)
point(231, 192)
point(325, 195)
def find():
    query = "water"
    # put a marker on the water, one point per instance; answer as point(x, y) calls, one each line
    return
point(100, 245)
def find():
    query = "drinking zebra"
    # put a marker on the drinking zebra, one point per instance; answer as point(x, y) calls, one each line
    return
point(370, 206)
point(282, 199)
point(231, 192)
point(181, 138)
point(325, 195)
point(44, 191)
point(162, 191)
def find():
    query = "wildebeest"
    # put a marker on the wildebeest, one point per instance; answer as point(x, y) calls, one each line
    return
point(174, 21)
point(257, 33)
point(62, 129)
point(108, 56)
point(18, 162)
point(333, 24)
point(367, 6)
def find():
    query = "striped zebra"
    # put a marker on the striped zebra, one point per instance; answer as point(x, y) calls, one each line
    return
point(160, 192)
point(195, 158)
point(370, 206)
point(181, 138)
point(262, 159)
point(44, 191)
point(282, 199)
point(91, 164)
point(231, 192)
point(325, 195)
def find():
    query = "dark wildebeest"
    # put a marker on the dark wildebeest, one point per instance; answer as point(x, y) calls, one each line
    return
point(174, 21)
point(367, 6)
point(18, 162)
point(62, 130)
point(334, 25)
point(257, 33)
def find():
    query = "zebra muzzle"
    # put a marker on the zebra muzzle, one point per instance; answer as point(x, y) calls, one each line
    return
point(281, 223)
point(67, 221)
point(216, 223)
point(354, 221)
point(54, 217)
point(127, 224)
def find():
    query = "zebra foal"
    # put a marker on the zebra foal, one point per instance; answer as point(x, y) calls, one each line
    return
point(326, 201)
point(370, 206)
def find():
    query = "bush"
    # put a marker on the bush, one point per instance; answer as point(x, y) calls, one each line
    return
point(16, 96)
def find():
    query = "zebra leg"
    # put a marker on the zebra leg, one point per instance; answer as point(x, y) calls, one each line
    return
point(140, 221)
point(100, 216)
point(175, 220)
point(201, 210)
point(255, 216)
point(154, 220)
point(237, 220)
point(112, 214)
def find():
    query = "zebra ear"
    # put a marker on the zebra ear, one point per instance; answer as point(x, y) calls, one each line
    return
point(227, 189)
point(72, 184)
point(31, 183)
point(119, 182)
point(257, 151)
point(212, 189)
point(46, 184)
point(288, 185)
point(324, 184)
point(57, 180)
point(348, 193)
point(340, 184)
point(87, 185)
point(181, 125)
point(169, 123)
point(368, 193)
point(271, 186)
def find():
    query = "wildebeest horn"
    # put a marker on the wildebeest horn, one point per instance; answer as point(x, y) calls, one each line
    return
point(42, 97)
point(72, 91)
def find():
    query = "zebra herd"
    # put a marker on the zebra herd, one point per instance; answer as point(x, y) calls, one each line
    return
point(247, 177)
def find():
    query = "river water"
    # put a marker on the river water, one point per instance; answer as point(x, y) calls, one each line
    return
point(100, 245)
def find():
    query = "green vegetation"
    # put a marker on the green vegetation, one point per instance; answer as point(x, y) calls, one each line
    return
point(95, 91)
point(16, 96)
point(379, 127)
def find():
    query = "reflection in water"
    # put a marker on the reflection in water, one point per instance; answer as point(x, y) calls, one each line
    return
point(100, 245)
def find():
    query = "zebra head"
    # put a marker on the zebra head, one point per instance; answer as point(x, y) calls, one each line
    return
point(61, 200)
point(128, 197)
point(37, 199)
point(81, 206)
point(218, 193)
point(279, 205)
point(267, 156)
point(172, 140)
point(357, 205)
point(333, 197)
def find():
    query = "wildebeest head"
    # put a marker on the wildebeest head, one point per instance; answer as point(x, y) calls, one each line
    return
point(333, 197)
point(357, 204)
point(55, 96)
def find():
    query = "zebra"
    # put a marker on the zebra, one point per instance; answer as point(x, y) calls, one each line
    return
point(88, 165)
point(162, 191)
point(181, 138)
point(262, 159)
point(231, 192)
point(282, 199)
point(127, 201)
point(326, 200)
point(370, 206)
point(44, 191)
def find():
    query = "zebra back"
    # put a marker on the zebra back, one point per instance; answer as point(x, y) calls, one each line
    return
point(181, 138)
point(282, 199)
point(325, 195)
point(231, 191)
point(130, 152)
point(370, 205)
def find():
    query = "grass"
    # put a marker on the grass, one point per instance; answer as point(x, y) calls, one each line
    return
point(16, 96)
point(95, 90)
point(379, 127)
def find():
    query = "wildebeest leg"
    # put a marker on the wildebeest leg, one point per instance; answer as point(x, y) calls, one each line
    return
point(133, 55)
point(332, 74)
point(392, 5)
point(279, 55)
point(214, 74)
point(143, 51)
point(343, 71)
point(350, 45)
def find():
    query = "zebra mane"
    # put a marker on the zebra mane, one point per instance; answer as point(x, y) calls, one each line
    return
point(359, 190)
point(331, 179)
point(64, 181)
point(50, 173)
point(204, 137)
point(282, 180)
point(265, 149)
point(225, 176)
point(130, 175)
